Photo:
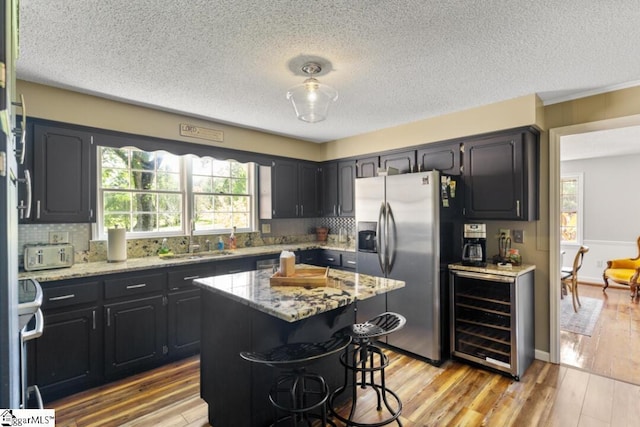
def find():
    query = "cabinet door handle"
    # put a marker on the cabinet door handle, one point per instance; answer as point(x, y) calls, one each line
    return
point(334, 210)
point(235, 271)
point(351, 262)
point(296, 210)
point(140, 285)
point(62, 297)
point(517, 207)
point(339, 210)
point(108, 316)
point(301, 210)
point(93, 316)
point(37, 209)
point(331, 259)
point(190, 278)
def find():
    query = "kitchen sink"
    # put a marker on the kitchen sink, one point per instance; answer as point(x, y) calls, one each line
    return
point(197, 255)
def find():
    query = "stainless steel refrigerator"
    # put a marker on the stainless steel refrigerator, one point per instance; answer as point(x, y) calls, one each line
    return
point(9, 147)
point(409, 229)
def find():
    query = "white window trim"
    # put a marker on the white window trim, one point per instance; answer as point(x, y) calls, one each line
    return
point(99, 233)
point(579, 177)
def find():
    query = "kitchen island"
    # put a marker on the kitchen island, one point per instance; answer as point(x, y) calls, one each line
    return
point(243, 312)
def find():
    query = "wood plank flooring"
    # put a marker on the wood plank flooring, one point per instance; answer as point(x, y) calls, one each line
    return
point(592, 387)
point(454, 394)
point(613, 349)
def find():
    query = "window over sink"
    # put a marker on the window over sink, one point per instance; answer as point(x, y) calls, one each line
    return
point(158, 193)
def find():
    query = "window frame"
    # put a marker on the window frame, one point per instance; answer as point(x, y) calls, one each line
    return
point(253, 196)
point(187, 194)
point(579, 178)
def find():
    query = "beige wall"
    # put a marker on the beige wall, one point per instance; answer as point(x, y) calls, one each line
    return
point(502, 115)
point(46, 102)
point(610, 105)
point(65, 106)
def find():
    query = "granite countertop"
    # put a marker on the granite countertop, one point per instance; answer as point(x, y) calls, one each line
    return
point(88, 269)
point(293, 303)
point(515, 271)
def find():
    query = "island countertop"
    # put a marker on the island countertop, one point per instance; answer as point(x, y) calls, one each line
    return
point(293, 303)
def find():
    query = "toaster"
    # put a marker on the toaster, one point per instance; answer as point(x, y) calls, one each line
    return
point(47, 256)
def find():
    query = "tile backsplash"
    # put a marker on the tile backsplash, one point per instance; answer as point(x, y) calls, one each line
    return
point(79, 234)
point(283, 231)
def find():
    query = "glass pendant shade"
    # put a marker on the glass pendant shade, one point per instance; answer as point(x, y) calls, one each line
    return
point(311, 100)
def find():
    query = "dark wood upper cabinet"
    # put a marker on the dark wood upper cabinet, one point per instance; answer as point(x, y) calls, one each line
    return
point(501, 176)
point(330, 189)
point(441, 157)
point(284, 189)
point(404, 161)
point(308, 190)
point(338, 193)
point(346, 188)
point(63, 175)
point(295, 189)
point(367, 166)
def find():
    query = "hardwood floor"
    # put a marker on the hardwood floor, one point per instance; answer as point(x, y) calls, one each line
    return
point(454, 394)
point(613, 349)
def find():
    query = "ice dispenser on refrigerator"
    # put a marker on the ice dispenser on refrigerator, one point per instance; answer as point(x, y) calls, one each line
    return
point(367, 237)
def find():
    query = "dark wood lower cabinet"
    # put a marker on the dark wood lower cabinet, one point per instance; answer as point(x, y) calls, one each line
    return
point(184, 323)
point(135, 335)
point(117, 325)
point(68, 355)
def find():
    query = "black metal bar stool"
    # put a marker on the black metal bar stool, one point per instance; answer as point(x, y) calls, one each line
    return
point(300, 394)
point(365, 357)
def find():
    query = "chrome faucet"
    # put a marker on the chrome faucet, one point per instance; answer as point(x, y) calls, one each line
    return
point(193, 247)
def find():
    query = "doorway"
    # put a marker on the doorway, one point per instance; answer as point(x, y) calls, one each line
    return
point(555, 137)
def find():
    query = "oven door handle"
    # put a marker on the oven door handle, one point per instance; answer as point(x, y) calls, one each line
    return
point(36, 332)
point(33, 389)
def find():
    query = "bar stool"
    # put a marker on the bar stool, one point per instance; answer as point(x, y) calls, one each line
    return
point(297, 392)
point(355, 358)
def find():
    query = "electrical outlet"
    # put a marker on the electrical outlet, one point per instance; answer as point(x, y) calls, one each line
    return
point(266, 228)
point(505, 231)
point(58, 237)
point(599, 263)
point(518, 236)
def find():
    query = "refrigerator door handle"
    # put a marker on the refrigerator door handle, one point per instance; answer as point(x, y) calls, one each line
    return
point(380, 248)
point(391, 238)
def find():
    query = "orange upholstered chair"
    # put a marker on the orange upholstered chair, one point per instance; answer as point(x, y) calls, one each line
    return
point(625, 271)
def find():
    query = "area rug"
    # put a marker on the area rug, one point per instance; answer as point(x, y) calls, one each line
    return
point(584, 321)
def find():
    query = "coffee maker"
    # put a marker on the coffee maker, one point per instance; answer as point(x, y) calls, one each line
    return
point(474, 245)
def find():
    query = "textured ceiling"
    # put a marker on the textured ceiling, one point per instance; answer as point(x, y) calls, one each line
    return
point(392, 62)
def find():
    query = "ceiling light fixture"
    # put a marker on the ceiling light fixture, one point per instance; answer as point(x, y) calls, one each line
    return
point(311, 99)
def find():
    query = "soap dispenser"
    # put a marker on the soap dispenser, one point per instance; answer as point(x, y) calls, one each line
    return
point(232, 239)
point(220, 244)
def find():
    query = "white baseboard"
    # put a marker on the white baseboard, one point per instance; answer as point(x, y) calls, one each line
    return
point(542, 355)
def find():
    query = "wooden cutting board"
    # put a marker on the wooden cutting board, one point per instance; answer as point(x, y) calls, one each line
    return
point(313, 276)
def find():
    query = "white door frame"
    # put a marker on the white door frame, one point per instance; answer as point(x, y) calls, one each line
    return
point(554, 216)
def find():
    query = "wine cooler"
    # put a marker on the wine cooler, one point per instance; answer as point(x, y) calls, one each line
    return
point(492, 318)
